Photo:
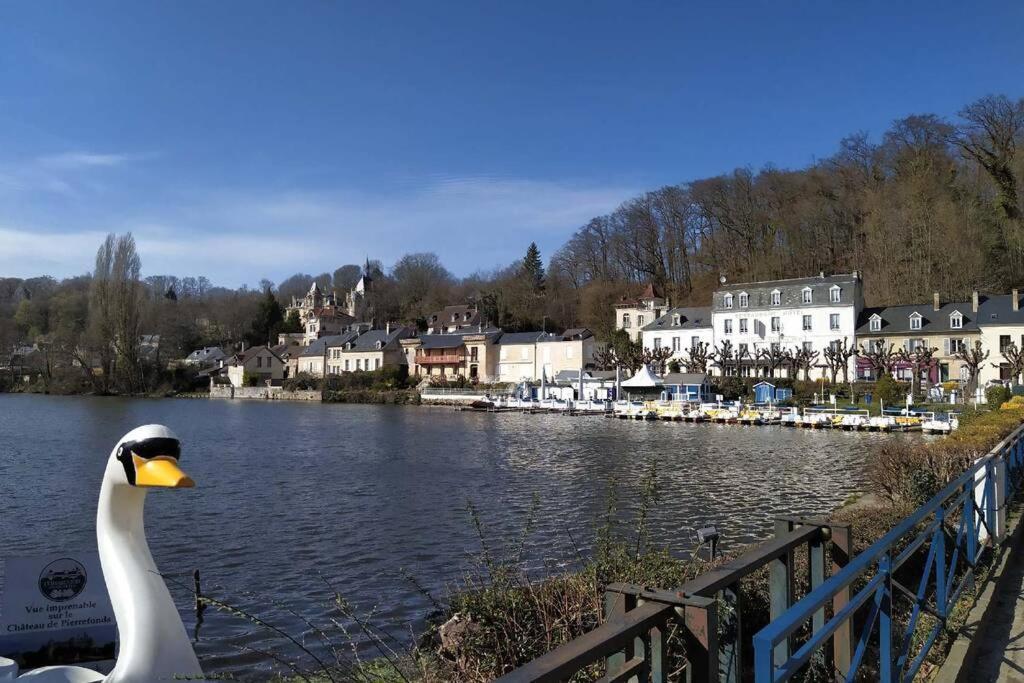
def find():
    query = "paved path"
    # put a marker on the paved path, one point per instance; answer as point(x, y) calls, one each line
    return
point(996, 650)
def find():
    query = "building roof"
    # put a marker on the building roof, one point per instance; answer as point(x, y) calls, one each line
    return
point(998, 310)
point(464, 314)
point(367, 341)
point(790, 292)
point(693, 318)
point(896, 319)
point(319, 346)
point(510, 338)
point(441, 341)
point(685, 378)
point(650, 293)
point(207, 353)
point(572, 334)
point(241, 356)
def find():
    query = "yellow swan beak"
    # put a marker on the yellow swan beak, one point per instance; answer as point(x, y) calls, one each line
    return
point(160, 471)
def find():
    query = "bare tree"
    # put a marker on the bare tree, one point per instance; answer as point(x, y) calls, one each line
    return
point(972, 358)
point(723, 357)
point(697, 358)
point(773, 357)
point(837, 358)
point(879, 356)
point(656, 358)
point(804, 359)
point(1015, 359)
point(919, 358)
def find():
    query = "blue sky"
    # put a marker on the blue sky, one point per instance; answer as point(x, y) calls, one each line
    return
point(242, 140)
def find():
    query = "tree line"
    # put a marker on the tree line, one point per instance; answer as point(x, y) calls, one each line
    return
point(933, 205)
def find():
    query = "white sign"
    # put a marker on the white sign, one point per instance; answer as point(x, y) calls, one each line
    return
point(56, 604)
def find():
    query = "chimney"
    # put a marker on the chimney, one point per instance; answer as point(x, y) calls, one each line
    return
point(387, 329)
point(974, 301)
point(821, 273)
point(935, 302)
point(856, 275)
point(1015, 299)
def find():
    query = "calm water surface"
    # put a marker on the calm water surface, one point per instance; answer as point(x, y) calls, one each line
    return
point(290, 494)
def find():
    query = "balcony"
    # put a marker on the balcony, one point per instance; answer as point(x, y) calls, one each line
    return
point(446, 359)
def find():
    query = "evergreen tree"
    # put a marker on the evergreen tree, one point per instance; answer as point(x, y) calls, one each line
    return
point(268, 321)
point(533, 267)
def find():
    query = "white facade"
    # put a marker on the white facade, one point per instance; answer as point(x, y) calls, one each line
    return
point(680, 329)
point(811, 313)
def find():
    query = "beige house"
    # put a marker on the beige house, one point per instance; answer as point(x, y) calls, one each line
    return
point(632, 315)
point(473, 355)
point(946, 327)
point(571, 350)
point(1002, 323)
point(517, 356)
point(259, 361)
point(324, 322)
point(370, 350)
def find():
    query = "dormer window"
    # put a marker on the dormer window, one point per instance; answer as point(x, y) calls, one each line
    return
point(805, 295)
point(676, 319)
point(466, 317)
point(728, 301)
point(776, 297)
point(875, 324)
point(956, 320)
point(915, 321)
point(744, 299)
point(455, 317)
point(835, 293)
point(380, 345)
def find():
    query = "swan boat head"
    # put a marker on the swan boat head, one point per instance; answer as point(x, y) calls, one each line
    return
point(154, 645)
point(147, 457)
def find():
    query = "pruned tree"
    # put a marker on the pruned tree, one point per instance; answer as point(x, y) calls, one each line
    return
point(918, 358)
point(837, 358)
point(1014, 357)
point(697, 357)
point(723, 357)
point(804, 359)
point(656, 358)
point(972, 357)
point(879, 356)
point(773, 358)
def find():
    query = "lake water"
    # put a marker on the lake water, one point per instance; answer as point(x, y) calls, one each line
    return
point(290, 494)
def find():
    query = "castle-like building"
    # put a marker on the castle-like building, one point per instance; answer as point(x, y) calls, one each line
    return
point(320, 313)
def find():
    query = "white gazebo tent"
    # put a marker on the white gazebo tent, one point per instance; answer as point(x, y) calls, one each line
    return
point(644, 382)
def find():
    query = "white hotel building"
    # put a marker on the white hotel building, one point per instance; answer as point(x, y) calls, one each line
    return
point(811, 312)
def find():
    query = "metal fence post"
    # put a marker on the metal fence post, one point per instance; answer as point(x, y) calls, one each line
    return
point(731, 639)
point(701, 636)
point(885, 663)
point(780, 588)
point(616, 605)
point(842, 639)
point(940, 562)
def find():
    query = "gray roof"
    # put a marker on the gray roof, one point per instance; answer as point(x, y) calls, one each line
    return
point(791, 292)
point(576, 333)
point(998, 310)
point(510, 338)
point(367, 341)
point(896, 319)
point(207, 353)
point(441, 341)
point(684, 378)
point(693, 318)
point(319, 346)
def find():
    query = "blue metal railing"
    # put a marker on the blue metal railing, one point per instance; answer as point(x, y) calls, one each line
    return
point(958, 525)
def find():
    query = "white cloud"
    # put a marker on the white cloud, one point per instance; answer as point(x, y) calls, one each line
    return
point(77, 160)
point(239, 237)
